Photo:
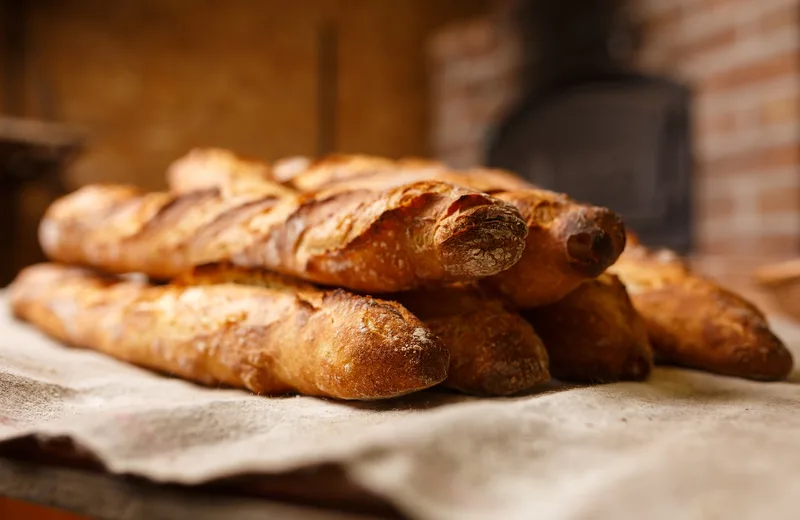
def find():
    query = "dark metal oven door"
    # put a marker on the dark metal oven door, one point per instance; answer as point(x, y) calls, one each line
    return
point(624, 144)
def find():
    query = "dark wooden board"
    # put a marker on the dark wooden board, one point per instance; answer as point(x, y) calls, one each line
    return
point(57, 474)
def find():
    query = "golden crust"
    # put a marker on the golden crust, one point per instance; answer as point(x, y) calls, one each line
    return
point(594, 335)
point(384, 241)
point(341, 171)
point(493, 350)
point(567, 242)
point(270, 340)
point(210, 168)
point(695, 323)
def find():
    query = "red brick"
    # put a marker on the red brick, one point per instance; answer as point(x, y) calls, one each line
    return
point(709, 42)
point(715, 247)
point(769, 244)
point(715, 207)
point(463, 157)
point(779, 65)
point(785, 16)
point(718, 4)
point(464, 74)
point(757, 160)
point(765, 245)
point(455, 123)
point(487, 107)
point(716, 124)
point(779, 200)
point(462, 40)
point(780, 110)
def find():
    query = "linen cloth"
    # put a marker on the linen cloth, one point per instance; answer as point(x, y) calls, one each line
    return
point(685, 444)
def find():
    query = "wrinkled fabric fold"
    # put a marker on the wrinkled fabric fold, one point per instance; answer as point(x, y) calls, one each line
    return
point(683, 445)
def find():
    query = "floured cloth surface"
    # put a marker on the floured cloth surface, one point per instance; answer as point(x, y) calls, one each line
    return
point(683, 445)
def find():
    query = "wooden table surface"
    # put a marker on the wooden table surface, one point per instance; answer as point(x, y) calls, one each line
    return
point(32, 491)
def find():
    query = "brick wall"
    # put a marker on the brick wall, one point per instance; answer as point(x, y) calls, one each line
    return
point(474, 68)
point(742, 61)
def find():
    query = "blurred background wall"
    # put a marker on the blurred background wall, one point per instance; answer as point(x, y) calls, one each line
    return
point(740, 60)
point(149, 79)
point(134, 84)
point(694, 134)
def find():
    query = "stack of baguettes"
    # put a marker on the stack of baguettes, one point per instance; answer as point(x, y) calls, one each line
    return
point(358, 277)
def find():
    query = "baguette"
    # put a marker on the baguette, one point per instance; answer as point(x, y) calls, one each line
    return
point(214, 168)
point(567, 243)
point(340, 171)
point(694, 323)
point(271, 340)
point(594, 335)
point(371, 241)
point(493, 351)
